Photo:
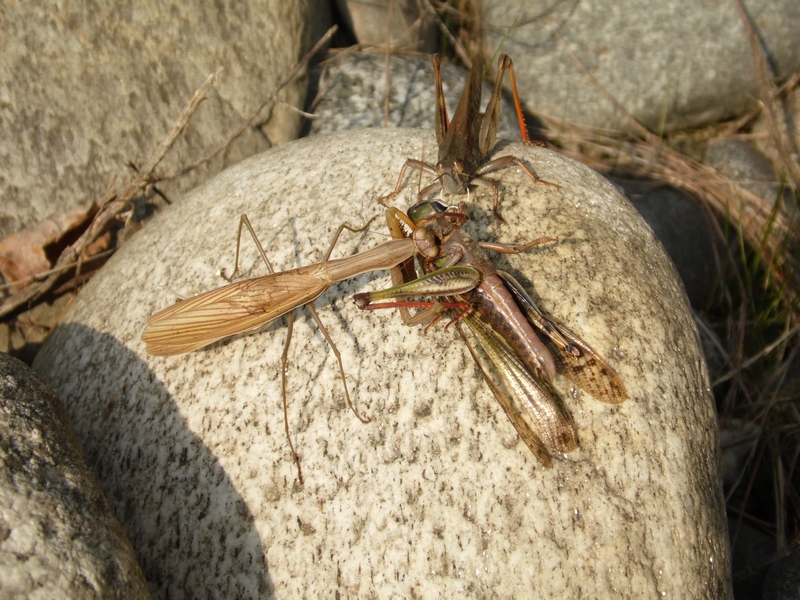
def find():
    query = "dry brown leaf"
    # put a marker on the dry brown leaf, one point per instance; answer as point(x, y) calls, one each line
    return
point(34, 250)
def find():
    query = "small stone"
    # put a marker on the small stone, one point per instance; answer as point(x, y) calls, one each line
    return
point(58, 538)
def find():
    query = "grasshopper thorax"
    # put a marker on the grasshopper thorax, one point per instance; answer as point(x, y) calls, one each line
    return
point(453, 175)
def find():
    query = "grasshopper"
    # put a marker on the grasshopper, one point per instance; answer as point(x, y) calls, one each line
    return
point(466, 141)
point(518, 348)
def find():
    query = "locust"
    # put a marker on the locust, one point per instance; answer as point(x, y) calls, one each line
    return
point(518, 347)
point(466, 141)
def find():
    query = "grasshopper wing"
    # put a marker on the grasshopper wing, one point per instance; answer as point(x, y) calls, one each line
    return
point(574, 358)
point(460, 140)
point(528, 399)
point(242, 307)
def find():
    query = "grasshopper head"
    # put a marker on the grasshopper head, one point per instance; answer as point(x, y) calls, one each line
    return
point(453, 175)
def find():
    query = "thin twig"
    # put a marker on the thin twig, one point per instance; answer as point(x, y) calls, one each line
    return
point(269, 98)
point(61, 269)
point(111, 206)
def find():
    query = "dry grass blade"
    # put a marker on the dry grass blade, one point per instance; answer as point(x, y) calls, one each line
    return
point(763, 228)
point(773, 110)
point(779, 343)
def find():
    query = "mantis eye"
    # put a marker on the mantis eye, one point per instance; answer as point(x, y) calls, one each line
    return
point(425, 241)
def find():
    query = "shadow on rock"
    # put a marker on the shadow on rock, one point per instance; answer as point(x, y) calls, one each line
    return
point(191, 529)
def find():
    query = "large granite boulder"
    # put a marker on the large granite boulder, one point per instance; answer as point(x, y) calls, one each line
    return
point(436, 495)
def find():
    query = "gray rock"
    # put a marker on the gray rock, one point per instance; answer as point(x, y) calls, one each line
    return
point(783, 579)
point(672, 65)
point(743, 164)
point(436, 496)
point(353, 93)
point(58, 538)
point(404, 21)
point(90, 87)
point(685, 228)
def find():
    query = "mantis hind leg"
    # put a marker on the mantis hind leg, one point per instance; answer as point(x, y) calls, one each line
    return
point(338, 356)
point(289, 316)
point(284, 367)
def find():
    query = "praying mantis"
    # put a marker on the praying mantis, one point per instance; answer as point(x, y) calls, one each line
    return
point(251, 305)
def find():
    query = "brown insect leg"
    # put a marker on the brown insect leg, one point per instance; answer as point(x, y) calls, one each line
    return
point(284, 366)
point(245, 222)
point(488, 183)
point(500, 163)
point(505, 161)
point(442, 121)
point(341, 228)
point(509, 249)
point(505, 63)
point(290, 328)
point(463, 314)
point(523, 129)
point(428, 189)
point(338, 355)
point(491, 118)
point(409, 164)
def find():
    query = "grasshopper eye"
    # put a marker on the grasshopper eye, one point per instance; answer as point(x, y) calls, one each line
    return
point(422, 210)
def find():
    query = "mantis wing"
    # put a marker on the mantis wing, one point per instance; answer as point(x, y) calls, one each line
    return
point(242, 307)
